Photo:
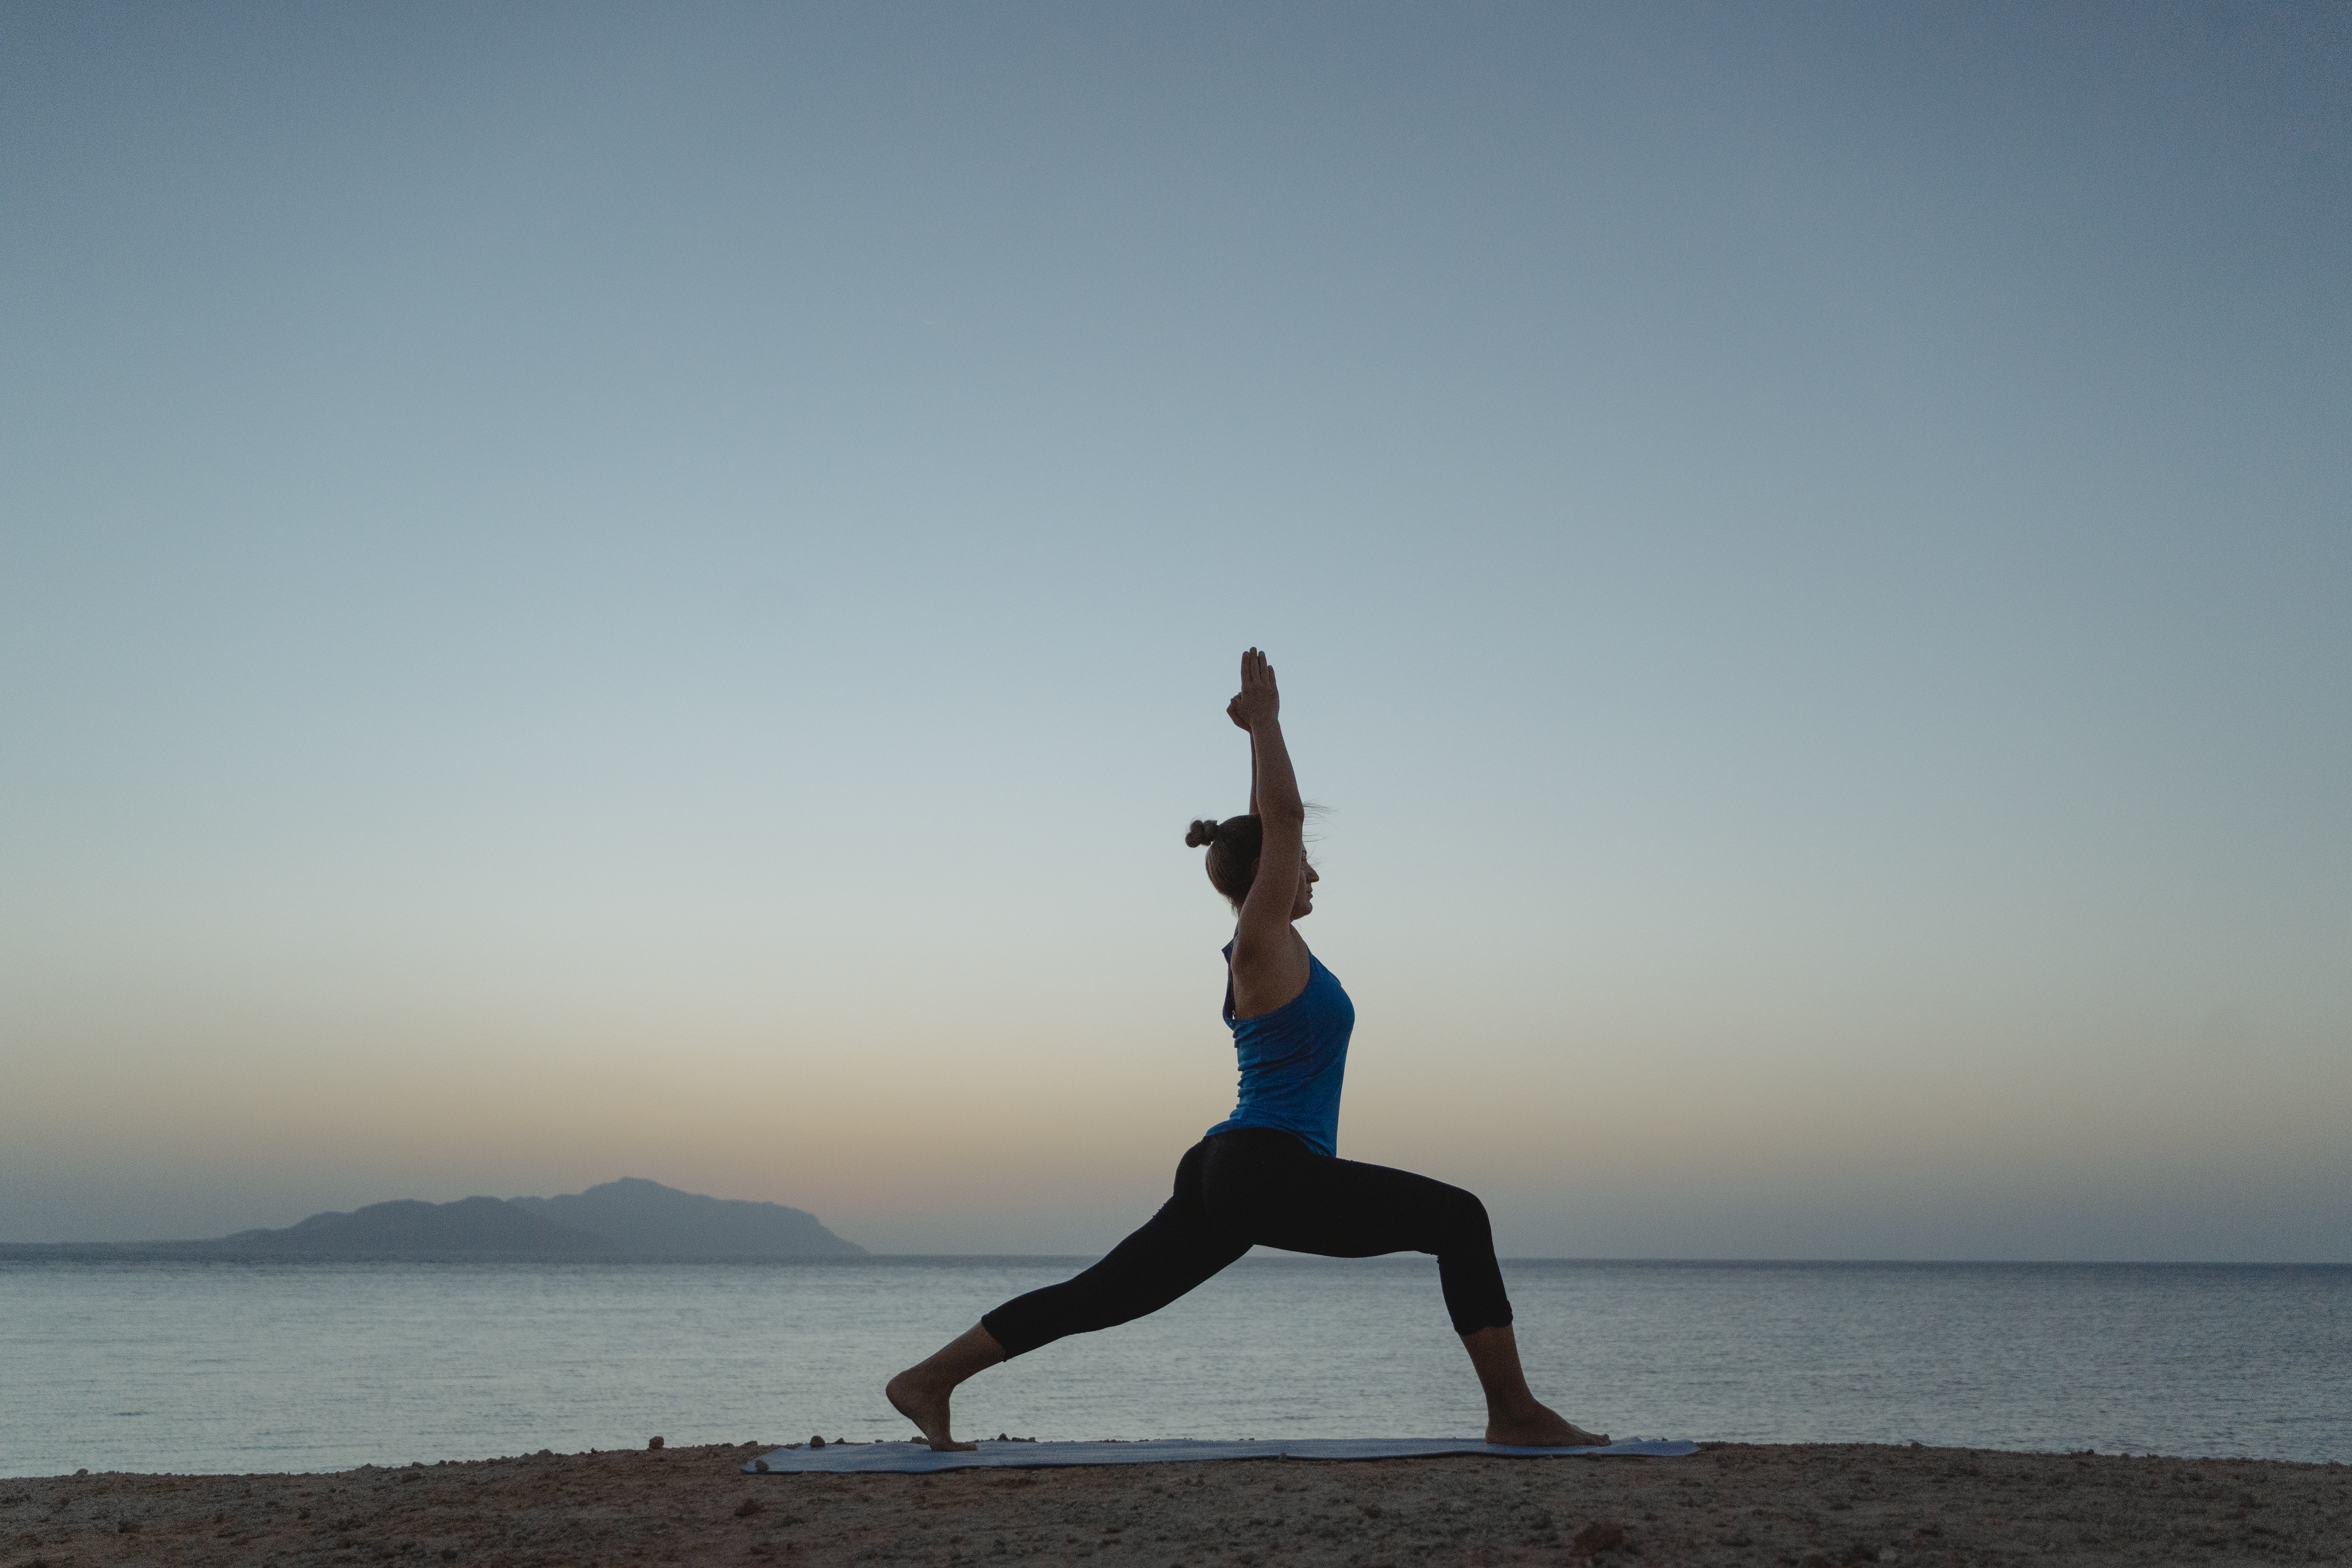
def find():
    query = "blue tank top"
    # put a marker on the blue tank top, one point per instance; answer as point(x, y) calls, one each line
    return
point(1292, 1061)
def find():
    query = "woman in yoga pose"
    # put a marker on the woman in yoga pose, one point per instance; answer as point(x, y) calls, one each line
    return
point(1268, 1175)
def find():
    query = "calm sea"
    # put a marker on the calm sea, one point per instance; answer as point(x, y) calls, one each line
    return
point(213, 1367)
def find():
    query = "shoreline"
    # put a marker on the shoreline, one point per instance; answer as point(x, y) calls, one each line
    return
point(1806, 1506)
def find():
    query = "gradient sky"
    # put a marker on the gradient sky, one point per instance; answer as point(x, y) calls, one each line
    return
point(649, 590)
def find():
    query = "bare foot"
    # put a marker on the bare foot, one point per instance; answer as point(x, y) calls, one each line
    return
point(1538, 1427)
point(927, 1407)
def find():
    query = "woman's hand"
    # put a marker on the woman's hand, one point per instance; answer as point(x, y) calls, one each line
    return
point(1258, 701)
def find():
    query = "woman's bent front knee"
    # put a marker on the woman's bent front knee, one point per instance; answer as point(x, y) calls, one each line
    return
point(1463, 1223)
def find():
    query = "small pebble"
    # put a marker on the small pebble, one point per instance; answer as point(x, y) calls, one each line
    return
point(653, 1442)
point(816, 1442)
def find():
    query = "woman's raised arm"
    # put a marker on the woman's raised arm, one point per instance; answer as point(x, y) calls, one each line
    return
point(1270, 963)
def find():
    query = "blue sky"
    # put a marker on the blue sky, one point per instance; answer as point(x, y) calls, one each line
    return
point(622, 590)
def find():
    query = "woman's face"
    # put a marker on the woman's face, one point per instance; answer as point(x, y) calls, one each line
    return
point(1303, 904)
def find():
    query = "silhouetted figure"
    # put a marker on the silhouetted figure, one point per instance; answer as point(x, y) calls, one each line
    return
point(1268, 1175)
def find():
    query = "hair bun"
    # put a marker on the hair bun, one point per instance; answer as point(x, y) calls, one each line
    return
point(1203, 832)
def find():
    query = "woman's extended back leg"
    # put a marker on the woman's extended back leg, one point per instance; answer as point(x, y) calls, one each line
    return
point(1174, 1252)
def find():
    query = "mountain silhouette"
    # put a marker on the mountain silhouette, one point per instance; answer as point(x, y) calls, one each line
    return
point(470, 1227)
point(630, 1219)
point(645, 1219)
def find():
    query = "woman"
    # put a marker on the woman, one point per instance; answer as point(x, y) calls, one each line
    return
point(1268, 1176)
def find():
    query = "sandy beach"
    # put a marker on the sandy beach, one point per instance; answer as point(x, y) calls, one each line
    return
point(1803, 1506)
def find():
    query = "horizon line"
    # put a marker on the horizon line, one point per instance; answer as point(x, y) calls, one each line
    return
point(130, 1250)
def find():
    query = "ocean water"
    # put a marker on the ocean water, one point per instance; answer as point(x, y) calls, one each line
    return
point(226, 1367)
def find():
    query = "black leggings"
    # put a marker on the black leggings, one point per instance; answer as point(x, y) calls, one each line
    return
point(1256, 1186)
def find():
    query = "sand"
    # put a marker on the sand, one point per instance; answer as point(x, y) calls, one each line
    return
point(1805, 1506)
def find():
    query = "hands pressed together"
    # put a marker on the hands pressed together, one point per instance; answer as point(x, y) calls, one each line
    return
point(1259, 702)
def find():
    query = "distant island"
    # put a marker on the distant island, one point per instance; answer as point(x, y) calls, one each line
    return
point(631, 1220)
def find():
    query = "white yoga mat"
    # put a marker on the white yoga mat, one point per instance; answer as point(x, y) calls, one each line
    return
point(853, 1459)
